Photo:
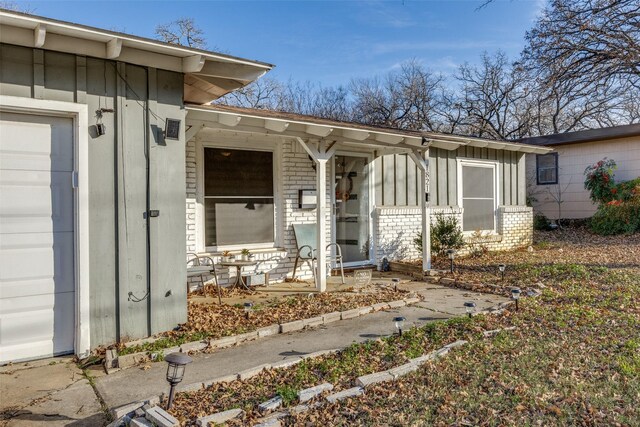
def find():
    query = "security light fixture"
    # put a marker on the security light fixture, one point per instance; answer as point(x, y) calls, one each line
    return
point(399, 322)
point(470, 307)
point(172, 129)
point(175, 371)
point(101, 129)
point(515, 295)
point(248, 306)
point(502, 268)
point(451, 253)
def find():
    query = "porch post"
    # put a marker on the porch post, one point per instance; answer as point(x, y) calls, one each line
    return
point(422, 162)
point(320, 153)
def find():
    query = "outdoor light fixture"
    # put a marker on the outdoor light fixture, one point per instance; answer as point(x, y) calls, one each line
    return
point(399, 321)
point(451, 253)
point(470, 307)
point(502, 268)
point(172, 129)
point(395, 281)
point(175, 371)
point(247, 309)
point(515, 295)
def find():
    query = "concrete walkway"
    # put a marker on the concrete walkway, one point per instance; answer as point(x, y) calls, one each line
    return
point(54, 392)
point(441, 303)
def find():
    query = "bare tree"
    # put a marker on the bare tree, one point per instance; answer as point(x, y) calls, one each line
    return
point(17, 7)
point(182, 31)
point(265, 93)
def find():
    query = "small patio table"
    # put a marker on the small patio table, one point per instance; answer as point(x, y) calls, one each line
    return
point(239, 265)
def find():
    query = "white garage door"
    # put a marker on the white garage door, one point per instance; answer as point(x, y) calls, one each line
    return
point(37, 298)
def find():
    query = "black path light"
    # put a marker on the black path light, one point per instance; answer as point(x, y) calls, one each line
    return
point(399, 322)
point(175, 371)
point(515, 295)
point(395, 281)
point(502, 268)
point(451, 253)
point(470, 307)
point(248, 306)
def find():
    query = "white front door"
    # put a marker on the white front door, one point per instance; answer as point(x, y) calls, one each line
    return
point(352, 218)
point(37, 284)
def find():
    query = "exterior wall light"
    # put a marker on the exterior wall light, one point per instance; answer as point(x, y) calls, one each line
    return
point(175, 371)
point(451, 253)
point(470, 307)
point(248, 306)
point(515, 295)
point(399, 322)
point(502, 268)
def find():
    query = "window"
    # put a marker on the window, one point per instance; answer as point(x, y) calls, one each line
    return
point(238, 197)
point(547, 168)
point(478, 196)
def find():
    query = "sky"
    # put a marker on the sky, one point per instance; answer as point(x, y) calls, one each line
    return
point(325, 42)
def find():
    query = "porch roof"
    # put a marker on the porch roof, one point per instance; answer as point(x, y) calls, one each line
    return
point(295, 125)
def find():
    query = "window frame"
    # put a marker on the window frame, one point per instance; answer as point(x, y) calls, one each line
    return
point(253, 145)
point(492, 164)
point(555, 155)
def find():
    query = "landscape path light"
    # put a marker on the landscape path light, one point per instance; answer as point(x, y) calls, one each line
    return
point(399, 322)
point(515, 295)
point(395, 281)
point(502, 268)
point(451, 253)
point(247, 309)
point(176, 363)
point(470, 307)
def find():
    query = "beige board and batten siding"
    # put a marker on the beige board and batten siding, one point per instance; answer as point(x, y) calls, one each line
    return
point(119, 262)
point(573, 159)
point(396, 177)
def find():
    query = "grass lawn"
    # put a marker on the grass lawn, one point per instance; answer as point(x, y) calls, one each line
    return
point(574, 358)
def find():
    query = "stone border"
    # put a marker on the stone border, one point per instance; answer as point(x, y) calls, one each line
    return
point(115, 362)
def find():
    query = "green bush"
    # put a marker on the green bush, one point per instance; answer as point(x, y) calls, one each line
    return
point(540, 222)
point(626, 190)
point(617, 217)
point(599, 180)
point(445, 234)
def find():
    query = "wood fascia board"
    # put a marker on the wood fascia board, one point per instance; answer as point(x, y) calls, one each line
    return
point(227, 70)
point(39, 35)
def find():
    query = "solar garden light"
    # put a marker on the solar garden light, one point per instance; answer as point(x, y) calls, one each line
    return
point(175, 371)
point(248, 306)
point(451, 253)
point(470, 307)
point(395, 281)
point(399, 321)
point(502, 268)
point(515, 295)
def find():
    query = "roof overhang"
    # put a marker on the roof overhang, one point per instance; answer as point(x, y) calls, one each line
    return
point(269, 123)
point(208, 75)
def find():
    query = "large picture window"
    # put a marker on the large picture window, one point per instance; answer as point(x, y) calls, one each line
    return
point(478, 196)
point(547, 168)
point(238, 197)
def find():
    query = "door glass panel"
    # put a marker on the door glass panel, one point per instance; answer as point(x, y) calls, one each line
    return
point(478, 198)
point(352, 208)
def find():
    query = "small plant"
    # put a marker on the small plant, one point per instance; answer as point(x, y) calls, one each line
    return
point(226, 254)
point(245, 252)
point(445, 234)
point(599, 180)
point(540, 222)
point(476, 243)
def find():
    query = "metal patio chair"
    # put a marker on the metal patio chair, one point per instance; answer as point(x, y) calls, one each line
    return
point(306, 241)
point(201, 265)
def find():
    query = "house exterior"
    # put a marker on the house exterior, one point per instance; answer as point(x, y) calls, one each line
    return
point(559, 176)
point(381, 188)
point(83, 262)
point(99, 133)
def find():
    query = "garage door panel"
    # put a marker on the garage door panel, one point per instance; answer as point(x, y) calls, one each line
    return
point(36, 263)
point(25, 142)
point(35, 202)
point(37, 287)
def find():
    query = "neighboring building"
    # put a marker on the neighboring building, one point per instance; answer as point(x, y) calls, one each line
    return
point(96, 145)
point(559, 176)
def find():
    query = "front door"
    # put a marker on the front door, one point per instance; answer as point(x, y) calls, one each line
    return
point(352, 208)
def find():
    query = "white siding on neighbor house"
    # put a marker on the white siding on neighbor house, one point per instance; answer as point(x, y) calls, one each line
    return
point(572, 161)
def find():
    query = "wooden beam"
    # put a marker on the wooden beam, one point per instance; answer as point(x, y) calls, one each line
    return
point(321, 131)
point(276, 125)
point(193, 131)
point(114, 48)
point(422, 162)
point(229, 120)
point(358, 135)
point(193, 64)
point(39, 35)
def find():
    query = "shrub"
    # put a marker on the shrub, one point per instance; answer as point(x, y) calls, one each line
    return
point(617, 217)
point(599, 180)
point(626, 190)
point(445, 234)
point(540, 222)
